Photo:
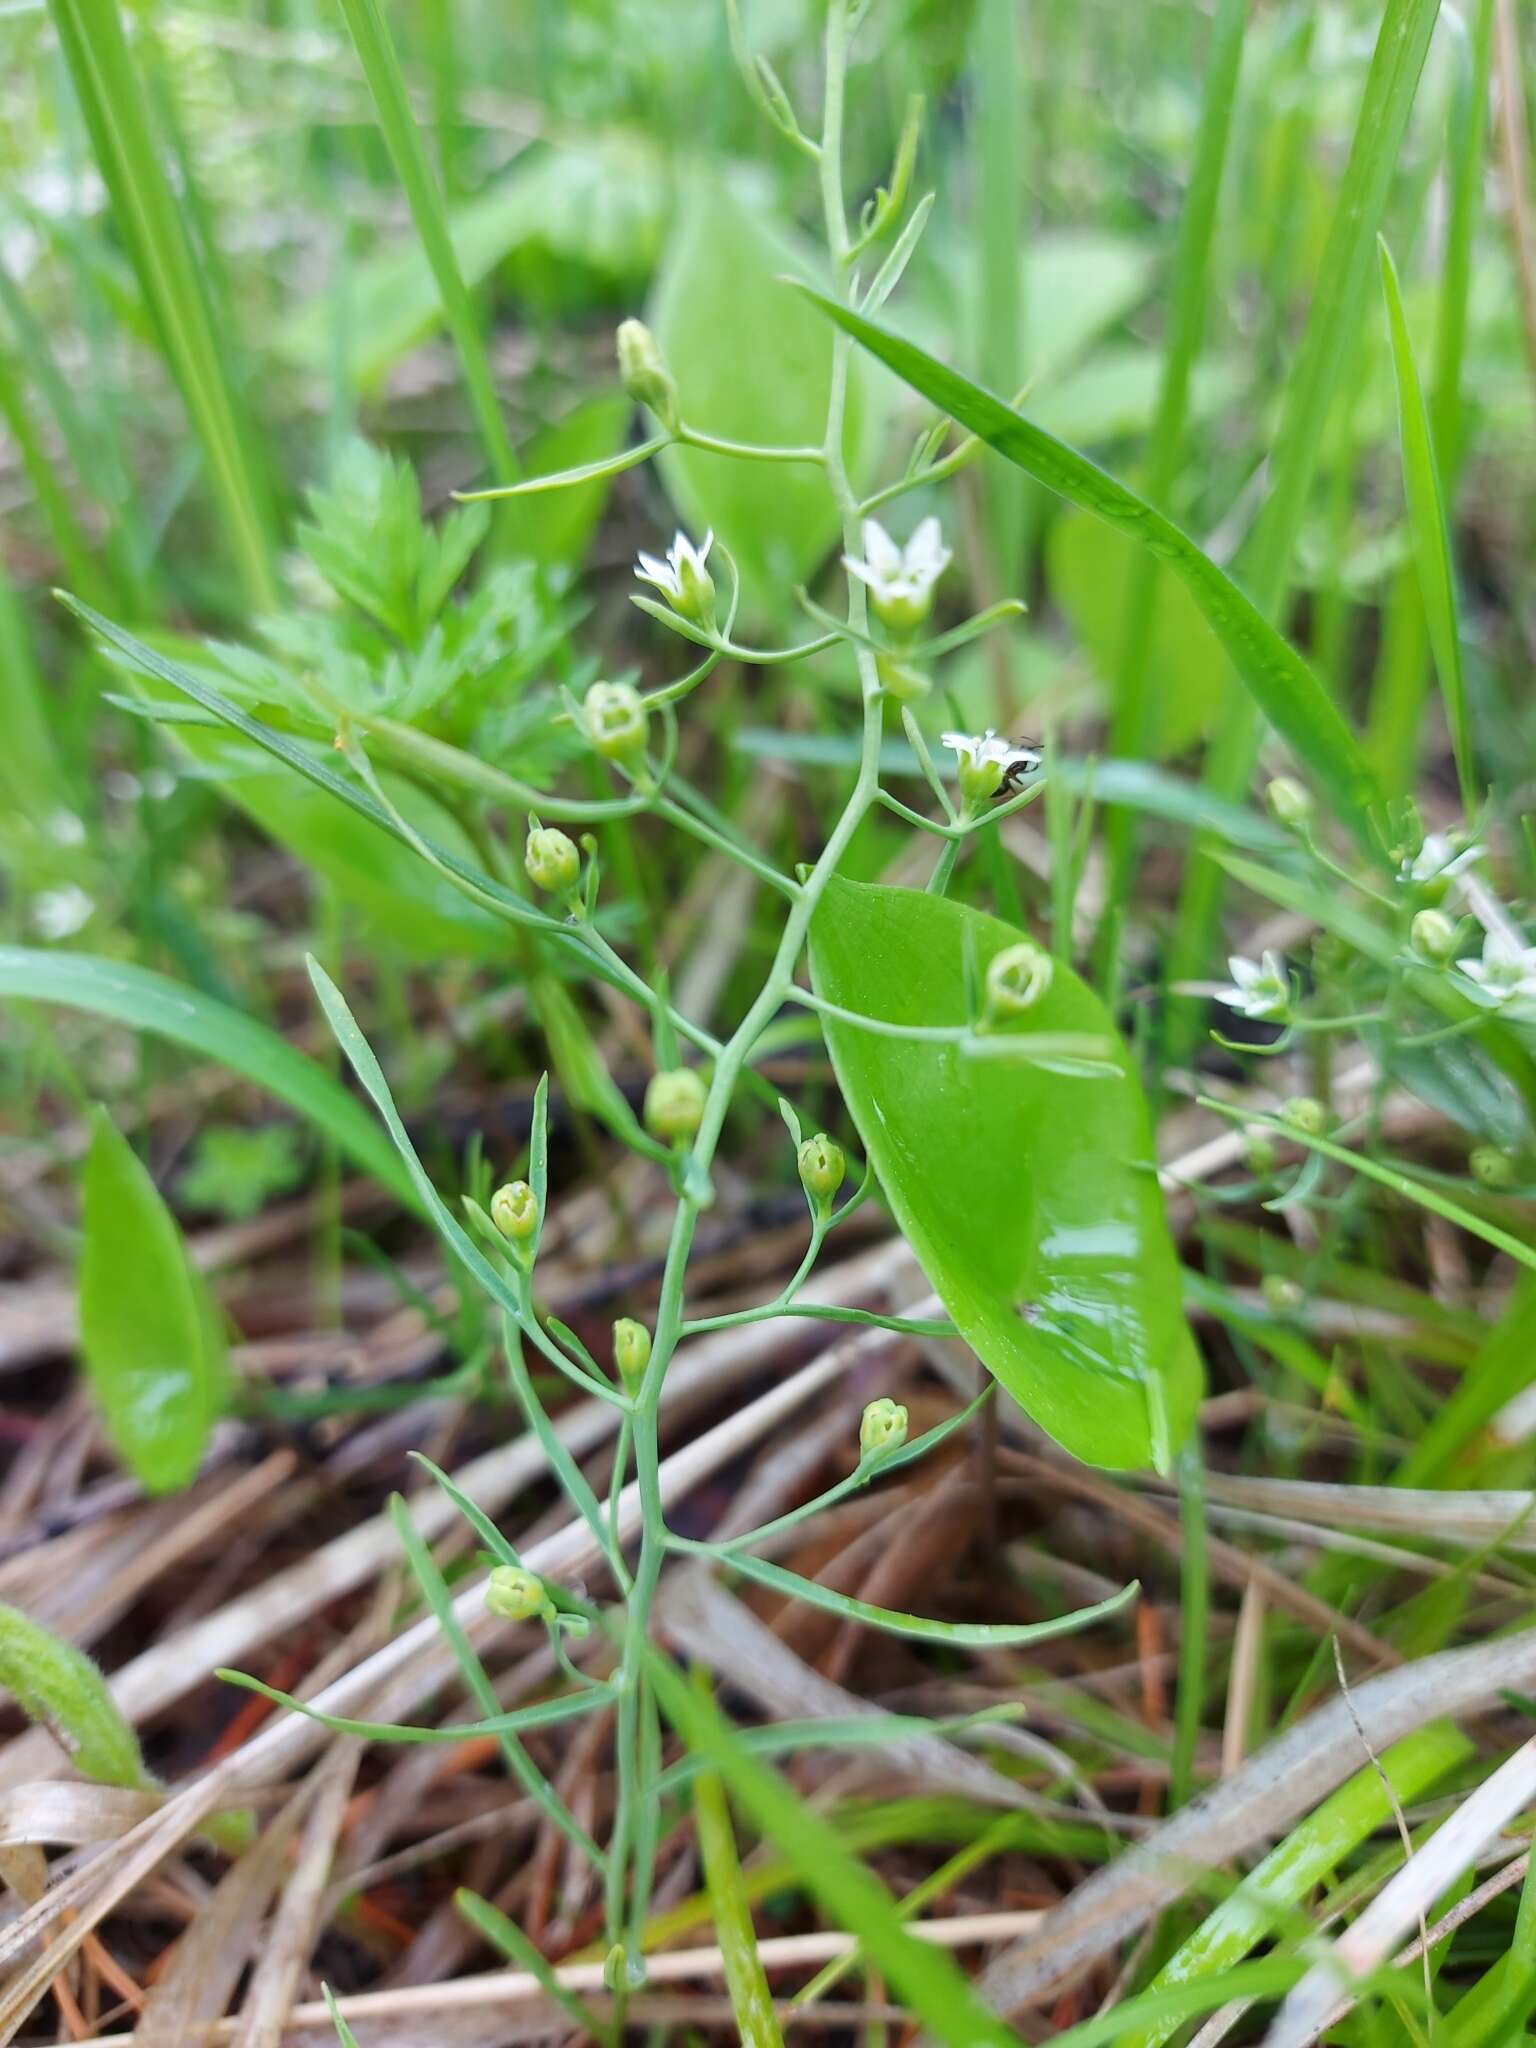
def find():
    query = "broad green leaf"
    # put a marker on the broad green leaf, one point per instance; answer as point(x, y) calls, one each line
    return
point(751, 2000)
point(149, 1333)
point(599, 203)
point(1029, 1196)
point(1094, 574)
point(930, 1982)
point(146, 1001)
point(1077, 282)
point(58, 1685)
point(1428, 531)
point(1283, 687)
point(752, 363)
point(1113, 395)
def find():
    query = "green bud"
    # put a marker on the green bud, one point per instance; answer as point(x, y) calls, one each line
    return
point(515, 1211)
point(631, 1351)
point(1434, 936)
point(617, 722)
point(674, 1104)
point(1306, 1113)
point(1016, 980)
point(550, 860)
point(899, 680)
point(882, 1428)
point(1290, 802)
point(512, 1594)
point(643, 371)
point(1492, 1168)
point(822, 1167)
point(1281, 1293)
point(1259, 1151)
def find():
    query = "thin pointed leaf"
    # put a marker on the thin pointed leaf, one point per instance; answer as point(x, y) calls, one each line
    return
point(751, 2001)
point(1281, 683)
point(505, 1936)
point(1429, 531)
point(543, 1714)
point(972, 1635)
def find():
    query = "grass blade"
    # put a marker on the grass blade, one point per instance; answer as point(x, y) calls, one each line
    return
point(1429, 531)
point(113, 101)
point(149, 1002)
point(751, 2000)
point(504, 1935)
point(381, 67)
point(929, 1981)
point(1279, 681)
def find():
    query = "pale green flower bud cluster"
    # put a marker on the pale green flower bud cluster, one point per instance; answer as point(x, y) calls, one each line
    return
point(1016, 980)
point(674, 1104)
point(550, 859)
point(515, 1212)
point(513, 1594)
point(822, 1167)
point(631, 1352)
point(617, 723)
point(882, 1428)
point(643, 371)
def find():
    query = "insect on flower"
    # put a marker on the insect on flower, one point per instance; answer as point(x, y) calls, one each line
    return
point(989, 765)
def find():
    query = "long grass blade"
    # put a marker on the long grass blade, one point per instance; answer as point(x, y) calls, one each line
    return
point(1280, 683)
point(112, 102)
point(381, 68)
point(751, 2000)
point(1429, 532)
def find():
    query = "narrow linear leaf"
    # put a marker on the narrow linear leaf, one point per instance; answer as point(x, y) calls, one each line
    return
point(927, 1979)
point(751, 2000)
point(852, 1731)
point(58, 1685)
point(508, 1939)
point(1282, 685)
point(149, 1334)
point(1429, 531)
point(150, 1002)
point(543, 1714)
point(972, 1635)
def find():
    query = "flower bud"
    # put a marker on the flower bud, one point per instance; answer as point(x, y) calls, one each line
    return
point(1434, 937)
point(822, 1167)
point(1306, 1114)
point(512, 1594)
point(1016, 980)
point(674, 1103)
point(515, 1211)
point(1290, 802)
point(1259, 1153)
point(1492, 1168)
point(882, 1429)
point(631, 1351)
point(643, 371)
point(550, 860)
point(617, 722)
point(1281, 1293)
point(899, 680)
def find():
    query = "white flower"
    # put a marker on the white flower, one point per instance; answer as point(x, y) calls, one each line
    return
point(1507, 971)
point(682, 578)
point(1261, 988)
point(901, 580)
point(985, 764)
point(66, 828)
point(1440, 859)
point(59, 913)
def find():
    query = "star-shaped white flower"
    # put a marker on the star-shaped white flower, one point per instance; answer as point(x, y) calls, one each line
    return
point(1260, 988)
point(1507, 971)
point(682, 578)
point(1441, 858)
point(901, 580)
point(986, 764)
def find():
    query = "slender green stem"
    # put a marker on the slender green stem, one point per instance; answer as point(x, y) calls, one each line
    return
point(747, 451)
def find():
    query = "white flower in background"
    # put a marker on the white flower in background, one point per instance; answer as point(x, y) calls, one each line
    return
point(66, 828)
point(1507, 971)
point(985, 763)
point(682, 578)
point(901, 580)
point(1260, 988)
point(59, 913)
point(1441, 858)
